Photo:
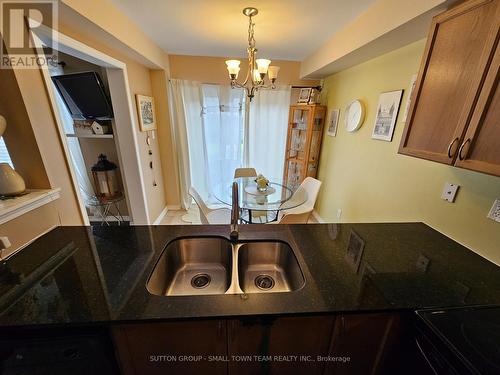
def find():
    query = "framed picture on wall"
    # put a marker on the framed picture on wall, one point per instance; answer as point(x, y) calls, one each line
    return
point(146, 112)
point(304, 95)
point(413, 82)
point(334, 121)
point(387, 114)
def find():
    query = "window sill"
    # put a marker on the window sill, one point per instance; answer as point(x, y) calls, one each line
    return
point(12, 208)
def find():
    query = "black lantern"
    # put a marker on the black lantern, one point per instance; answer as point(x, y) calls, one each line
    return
point(105, 178)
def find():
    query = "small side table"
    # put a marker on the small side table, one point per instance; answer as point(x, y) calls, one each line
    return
point(107, 207)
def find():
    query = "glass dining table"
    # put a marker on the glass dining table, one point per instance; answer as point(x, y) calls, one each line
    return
point(260, 206)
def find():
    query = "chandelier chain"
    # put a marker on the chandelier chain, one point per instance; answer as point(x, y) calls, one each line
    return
point(251, 38)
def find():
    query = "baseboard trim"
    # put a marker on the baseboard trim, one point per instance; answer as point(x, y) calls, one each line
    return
point(318, 218)
point(174, 207)
point(162, 214)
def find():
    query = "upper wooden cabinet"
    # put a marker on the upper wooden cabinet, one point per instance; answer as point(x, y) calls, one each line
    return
point(481, 145)
point(453, 112)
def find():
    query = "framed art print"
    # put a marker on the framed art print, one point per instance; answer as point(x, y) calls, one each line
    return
point(334, 121)
point(387, 114)
point(146, 112)
point(304, 95)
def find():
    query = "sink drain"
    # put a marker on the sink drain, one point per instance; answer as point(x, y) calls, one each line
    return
point(264, 282)
point(200, 281)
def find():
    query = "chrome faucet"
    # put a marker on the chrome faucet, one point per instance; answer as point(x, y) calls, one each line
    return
point(235, 213)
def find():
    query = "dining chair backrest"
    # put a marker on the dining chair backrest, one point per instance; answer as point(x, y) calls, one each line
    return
point(311, 187)
point(204, 210)
point(298, 218)
point(245, 172)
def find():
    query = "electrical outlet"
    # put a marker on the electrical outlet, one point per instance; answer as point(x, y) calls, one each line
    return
point(422, 263)
point(449, 192)
point(494, 213)
point(339, 213)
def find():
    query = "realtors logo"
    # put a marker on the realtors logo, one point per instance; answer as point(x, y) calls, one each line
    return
point(21, 22)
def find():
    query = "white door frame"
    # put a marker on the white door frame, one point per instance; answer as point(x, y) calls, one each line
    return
point(125, 130)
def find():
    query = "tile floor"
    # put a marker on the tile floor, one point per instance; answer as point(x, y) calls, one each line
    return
point(183, 217)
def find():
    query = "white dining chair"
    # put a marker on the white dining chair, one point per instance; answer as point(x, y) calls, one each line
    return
point(257, 215)
point(245, 172)
point(288, 218)
point(302, 213)
point(210, 215)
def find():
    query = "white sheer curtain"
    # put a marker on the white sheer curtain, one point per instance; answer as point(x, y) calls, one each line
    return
point(267, 131)
point(223, 116)
point(185, 112)
point(75, 152)
point(208, 129)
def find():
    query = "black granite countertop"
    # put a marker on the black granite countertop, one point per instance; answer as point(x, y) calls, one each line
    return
point(73, 276)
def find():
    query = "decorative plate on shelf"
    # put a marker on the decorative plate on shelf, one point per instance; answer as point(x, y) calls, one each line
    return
point(252, 189)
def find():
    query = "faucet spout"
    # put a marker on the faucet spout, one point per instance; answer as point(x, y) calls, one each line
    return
point(235, 213)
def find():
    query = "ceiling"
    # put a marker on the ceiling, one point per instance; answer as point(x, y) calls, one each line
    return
point(284, 29)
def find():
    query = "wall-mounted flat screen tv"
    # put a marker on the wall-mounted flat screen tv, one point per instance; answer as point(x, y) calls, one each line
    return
point(84, 95)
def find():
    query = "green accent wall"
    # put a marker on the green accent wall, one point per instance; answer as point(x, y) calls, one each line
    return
point(370, 182)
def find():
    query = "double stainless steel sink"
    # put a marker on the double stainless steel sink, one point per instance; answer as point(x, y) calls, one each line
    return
point(214, 265)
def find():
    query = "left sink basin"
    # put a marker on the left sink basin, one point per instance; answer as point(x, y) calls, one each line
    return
point(193, 266)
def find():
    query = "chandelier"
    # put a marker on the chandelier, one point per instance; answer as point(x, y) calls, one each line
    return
point(257, 68)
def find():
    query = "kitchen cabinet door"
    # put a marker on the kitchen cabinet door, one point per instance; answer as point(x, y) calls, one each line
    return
point(364, 340)
point(480, 149)
point(276, 341)
point(171, 348)
point(459, 48)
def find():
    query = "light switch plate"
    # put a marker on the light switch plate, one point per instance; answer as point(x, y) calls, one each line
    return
point(449, 192)
point(494, 213)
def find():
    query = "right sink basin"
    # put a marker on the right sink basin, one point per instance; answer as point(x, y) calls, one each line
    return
point(268, 267)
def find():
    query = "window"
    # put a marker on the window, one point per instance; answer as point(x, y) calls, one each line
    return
point(4, 153)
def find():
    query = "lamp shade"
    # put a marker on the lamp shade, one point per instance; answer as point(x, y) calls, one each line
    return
point(256, 76)
point(273, 72)
point(233, 67)
point(262, 65)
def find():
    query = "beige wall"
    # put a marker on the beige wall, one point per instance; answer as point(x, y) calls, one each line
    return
point(117, 25)
point(159, 86)
point(213, 70)
point(371, 182)
point(41, 117)
point(19, 136)
point(23, 229)
point(139, 78)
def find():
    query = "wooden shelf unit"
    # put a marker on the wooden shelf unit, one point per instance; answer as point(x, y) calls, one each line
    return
point(303, 145)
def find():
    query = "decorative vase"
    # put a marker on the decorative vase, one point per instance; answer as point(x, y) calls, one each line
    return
point(262, 183)
point(11, 182)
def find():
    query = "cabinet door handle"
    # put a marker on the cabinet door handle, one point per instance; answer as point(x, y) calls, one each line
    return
point(450, 146)
point(462, 148)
